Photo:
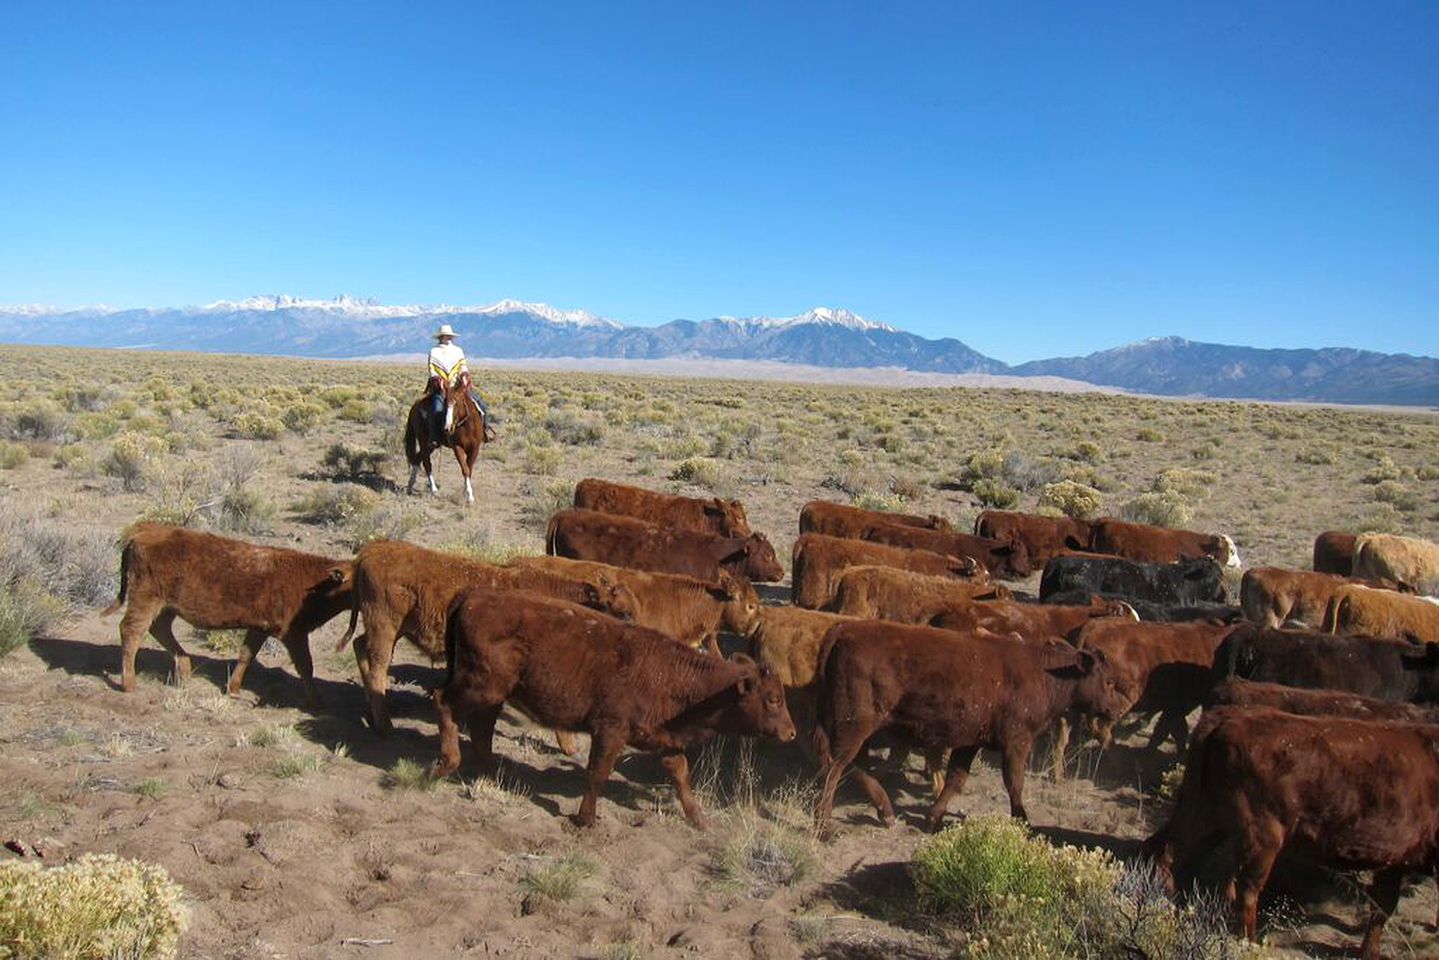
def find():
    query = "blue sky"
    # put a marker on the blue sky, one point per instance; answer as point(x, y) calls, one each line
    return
point(1034, 179)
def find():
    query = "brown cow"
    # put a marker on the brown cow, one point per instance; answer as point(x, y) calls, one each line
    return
point(943, 690)
point(839, 520)
point(1351, 794)
point(725, 518)
point(1033, 621)
point(1002, 558)
point(1043, 537)
point(1235, 692)
point(818, 562)
point(1364, 611)
point(1334, 553)
point(215, 583)
point(888, 593)
point(1150, 544)
point(403, 590)
point(689, 610)
point(573, 669)
point(627, 542)
point(1163, 668)
point(787, 640)
point(1272, 596)
point(1408, 561)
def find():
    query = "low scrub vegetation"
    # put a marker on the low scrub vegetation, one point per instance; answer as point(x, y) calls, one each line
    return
point(1013, 895)
point(97, 908)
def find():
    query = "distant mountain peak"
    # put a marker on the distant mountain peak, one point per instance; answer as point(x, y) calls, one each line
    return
point(823, 316)
point(578, 318)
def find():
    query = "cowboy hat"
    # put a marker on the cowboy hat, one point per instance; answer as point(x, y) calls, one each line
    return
point(445, 331)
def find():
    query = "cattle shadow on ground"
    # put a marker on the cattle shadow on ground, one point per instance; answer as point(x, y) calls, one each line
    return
point(773, 594)
point(884, 891)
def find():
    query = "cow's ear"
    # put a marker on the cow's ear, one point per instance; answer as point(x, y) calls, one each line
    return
point(592, 594)
point(712, 508)
point(1072, 543)
point(337, 575)
point(1087, 661)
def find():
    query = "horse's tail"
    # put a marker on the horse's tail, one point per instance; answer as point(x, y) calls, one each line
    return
point(412, 439)
point(126, 552)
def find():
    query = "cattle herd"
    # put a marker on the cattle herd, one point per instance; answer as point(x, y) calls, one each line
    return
point(1320, 689)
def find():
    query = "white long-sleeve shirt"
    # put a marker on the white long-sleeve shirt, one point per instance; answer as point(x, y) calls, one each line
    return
point(447, 360)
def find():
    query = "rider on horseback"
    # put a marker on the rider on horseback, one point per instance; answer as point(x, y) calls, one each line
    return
point(447, 362)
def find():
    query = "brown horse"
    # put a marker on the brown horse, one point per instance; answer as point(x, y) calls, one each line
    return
point(464, 432)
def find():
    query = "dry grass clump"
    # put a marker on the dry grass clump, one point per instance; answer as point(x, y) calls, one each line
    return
point(13, 455)
point(337, 504)
point(133, 459)
point(98, 908)
point(560, 881)
point(342, 461)
point(45, 572)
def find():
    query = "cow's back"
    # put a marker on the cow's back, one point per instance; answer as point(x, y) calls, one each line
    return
point(709, 515)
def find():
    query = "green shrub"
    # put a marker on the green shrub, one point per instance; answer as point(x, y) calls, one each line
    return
point(543, 461)
point(887, 502)
point(42, 420)
point(1071, 499)
point(559, 881)
point(699, 471)
point(132, 459)
point(1317, 456)
point(355, 464)
point(1383, 469)
point(254, 425)
point(1392, 491)
point(1149, 435)
point(303, 417)
point(338, 504)
point(392, 521)
point(356, 411)
point(1014, 895)
point(573, 430)
point(993, 493)
point(97, 908)
point(1158, 509)
point(1184, 483)
point(12, 455)
point(245, 511)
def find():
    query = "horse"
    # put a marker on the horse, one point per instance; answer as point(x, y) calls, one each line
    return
point(464, 432)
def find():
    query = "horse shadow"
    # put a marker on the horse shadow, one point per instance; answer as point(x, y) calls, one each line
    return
point(375, 481)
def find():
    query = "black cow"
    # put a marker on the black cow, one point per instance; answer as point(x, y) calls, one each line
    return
point(1158, 612)
point(1183, 583)
point(1384, 669)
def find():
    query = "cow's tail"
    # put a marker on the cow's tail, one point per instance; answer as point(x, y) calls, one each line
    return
point(551, 532)
point(126, 554)
point(350, 630)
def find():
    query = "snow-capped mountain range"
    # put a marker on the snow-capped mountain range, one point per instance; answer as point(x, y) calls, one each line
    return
point(827, 337)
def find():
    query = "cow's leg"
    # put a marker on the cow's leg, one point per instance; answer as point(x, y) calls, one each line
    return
point(873, 789)
point(1061, 745)
point(254, 640)
point(449, 759)
point(482, 735)
point(162, 629)
point(361, 646)
point(605, 746)
point(1384, 894)
point(298, 644)
point(934, 761)
point(678, 766)
point(1015, 759)
point(380, 648)
point(139, 614)
point(839, 755)
point(960, 761)
point(1257, 853)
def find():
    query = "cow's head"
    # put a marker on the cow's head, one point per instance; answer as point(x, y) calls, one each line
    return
point(942, 524)
point(1228, 552)
point(740, 603)
point(612, 597)
point(967, 567)
point(1013, 558)
point(760, 708)
point(760, 562)
point(338, 582)
point(1097, 690)
point(729, 516)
